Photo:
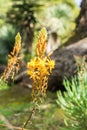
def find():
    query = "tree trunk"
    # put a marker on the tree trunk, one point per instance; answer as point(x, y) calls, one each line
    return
point(28, 34)
point(81, 25)
point(82, 19)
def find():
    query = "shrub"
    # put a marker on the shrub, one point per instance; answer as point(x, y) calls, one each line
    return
point(74, 100)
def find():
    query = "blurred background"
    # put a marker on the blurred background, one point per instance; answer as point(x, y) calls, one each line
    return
point(29, 16)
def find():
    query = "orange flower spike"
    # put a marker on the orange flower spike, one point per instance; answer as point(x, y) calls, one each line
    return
point(41, 46)
point(13, 60)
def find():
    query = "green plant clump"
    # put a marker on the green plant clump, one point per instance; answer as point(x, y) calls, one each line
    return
point(74, 102)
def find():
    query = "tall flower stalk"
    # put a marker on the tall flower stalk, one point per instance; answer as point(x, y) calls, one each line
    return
point(39, 69)
point(13, 61)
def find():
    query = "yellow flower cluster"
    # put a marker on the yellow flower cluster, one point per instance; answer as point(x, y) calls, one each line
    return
point(13, 60)
point(40, 67)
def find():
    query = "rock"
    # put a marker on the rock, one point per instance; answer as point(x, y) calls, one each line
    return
point(65, 63)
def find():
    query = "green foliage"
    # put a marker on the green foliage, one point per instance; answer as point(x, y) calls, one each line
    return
point(22, 15)
point(74, 103)
point(7, 34)
point(4, 4)
point(25, 8)
point(62, 18)
point(3, 85)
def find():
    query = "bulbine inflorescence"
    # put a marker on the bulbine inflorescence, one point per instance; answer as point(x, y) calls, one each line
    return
point(40, 67)
point(13, 60)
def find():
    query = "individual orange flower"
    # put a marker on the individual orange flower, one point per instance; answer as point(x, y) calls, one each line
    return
point(50, 65)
